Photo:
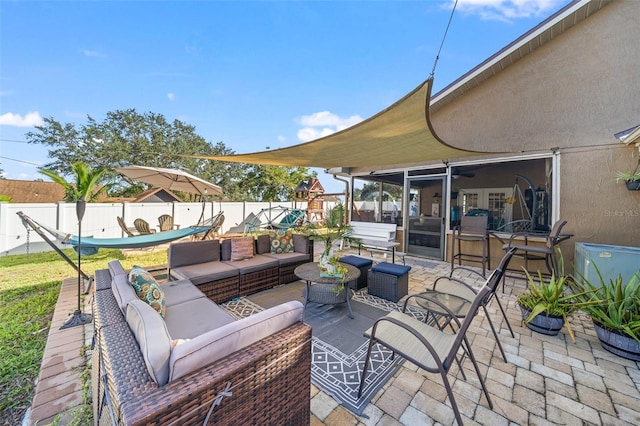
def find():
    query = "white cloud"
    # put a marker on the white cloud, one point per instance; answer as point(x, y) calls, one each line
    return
point(324, 123)
point(282, 139)
point(29, 120)
point(93, 54)
point(171, 96)
point(507, 10)
point(309, 133)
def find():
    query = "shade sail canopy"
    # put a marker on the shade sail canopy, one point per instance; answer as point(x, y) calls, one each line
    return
point(172, 179)
point(401, 134)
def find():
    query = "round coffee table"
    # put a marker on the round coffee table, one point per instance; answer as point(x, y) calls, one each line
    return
point(324, 290)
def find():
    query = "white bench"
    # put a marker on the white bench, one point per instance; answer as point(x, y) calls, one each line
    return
point(373, 231)
point(375, 237)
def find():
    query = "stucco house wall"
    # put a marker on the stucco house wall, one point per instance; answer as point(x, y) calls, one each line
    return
point(573, 93)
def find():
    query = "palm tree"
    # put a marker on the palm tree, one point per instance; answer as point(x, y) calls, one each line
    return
point(84, 190)
point(86, 185)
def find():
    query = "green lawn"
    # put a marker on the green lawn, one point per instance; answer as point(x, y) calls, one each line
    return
point(29, 287)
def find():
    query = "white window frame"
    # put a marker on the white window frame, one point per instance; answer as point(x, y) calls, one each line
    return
point(555, 181)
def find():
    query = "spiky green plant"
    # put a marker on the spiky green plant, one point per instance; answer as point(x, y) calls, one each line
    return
point(334, 228)
point(617, 304)
point(553, 297)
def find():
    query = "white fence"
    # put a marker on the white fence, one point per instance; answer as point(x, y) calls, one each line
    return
point(100, 219)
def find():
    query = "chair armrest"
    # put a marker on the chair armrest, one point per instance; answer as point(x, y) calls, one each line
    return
point(388, 335)
point(525, 236)
point(459, 281)
point(445, 310)
point(464, 268)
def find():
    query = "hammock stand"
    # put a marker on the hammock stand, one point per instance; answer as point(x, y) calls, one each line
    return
point(92, 244)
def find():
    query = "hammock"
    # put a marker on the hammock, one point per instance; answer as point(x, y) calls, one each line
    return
point(137, 241)
point(90, 245)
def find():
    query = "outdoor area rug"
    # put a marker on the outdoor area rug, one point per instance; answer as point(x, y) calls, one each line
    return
point(339, 347)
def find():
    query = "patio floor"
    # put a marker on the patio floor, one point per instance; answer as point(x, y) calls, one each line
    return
point(547, 379)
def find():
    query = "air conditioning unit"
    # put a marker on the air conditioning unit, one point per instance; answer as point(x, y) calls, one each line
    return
point(611, 261)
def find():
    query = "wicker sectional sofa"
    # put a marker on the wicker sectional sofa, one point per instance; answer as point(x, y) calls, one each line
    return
point(197, 365)
point(210, 266)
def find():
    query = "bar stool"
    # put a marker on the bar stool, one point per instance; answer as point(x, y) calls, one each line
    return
point(471, 228)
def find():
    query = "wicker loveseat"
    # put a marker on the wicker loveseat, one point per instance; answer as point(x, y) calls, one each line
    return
point(223, 273)
point(251, 371)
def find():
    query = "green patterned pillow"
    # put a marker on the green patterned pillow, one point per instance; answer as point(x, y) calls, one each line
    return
point(281, 241)
point(147, 289)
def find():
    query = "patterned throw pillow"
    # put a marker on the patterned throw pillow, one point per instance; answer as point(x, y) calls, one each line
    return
point(242, 248)
point(147, 289)
point(281, 241)
point(176, 342)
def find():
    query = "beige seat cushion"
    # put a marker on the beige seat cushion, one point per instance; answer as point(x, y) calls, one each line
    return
point(205, 272)
point(289, 258)
point(152, 336)
point(216, 344)
point(257, 263)
point(122, 291)
point(115, 268)
point(195, 317)
point(176, 292)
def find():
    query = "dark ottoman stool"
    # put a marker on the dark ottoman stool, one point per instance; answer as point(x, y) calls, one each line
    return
point(361, 263)
point(389, 281)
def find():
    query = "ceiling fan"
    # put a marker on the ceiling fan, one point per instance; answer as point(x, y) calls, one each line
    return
point(455, 174)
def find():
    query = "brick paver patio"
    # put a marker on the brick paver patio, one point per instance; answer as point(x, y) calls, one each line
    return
point(547, 379)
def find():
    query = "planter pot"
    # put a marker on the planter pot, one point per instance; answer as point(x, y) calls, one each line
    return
point(633, 185)
point(619, 344)
point(542, 323)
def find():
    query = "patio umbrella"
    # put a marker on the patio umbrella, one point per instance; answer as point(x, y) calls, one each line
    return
point(172, 179)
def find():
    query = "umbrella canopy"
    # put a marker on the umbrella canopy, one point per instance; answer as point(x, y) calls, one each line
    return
point(172, 179)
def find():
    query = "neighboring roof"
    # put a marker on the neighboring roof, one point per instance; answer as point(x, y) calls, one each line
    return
point(159, 193)
point(402, 134)
point(31, 191)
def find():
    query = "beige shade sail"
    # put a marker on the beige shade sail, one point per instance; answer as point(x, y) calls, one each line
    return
point(401, 134)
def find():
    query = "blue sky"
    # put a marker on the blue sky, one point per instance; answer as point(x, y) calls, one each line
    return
point(250, 74)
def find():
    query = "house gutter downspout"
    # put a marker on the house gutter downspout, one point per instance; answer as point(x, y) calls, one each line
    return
point(347, 196)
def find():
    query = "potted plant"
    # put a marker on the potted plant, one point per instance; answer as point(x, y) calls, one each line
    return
point(632, 179)
point(616, 312)
point(546, 305)
point(333, 229)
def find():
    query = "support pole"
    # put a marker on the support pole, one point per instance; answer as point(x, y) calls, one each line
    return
point(78, 317)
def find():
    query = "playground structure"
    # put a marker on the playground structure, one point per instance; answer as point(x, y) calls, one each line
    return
point(311, 191)
point(278, 217)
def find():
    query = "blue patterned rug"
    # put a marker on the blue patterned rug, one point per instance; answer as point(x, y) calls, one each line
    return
point(339, 347)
